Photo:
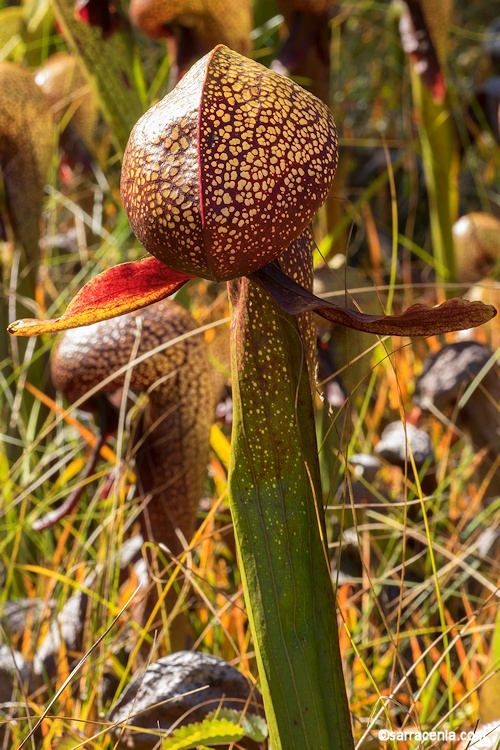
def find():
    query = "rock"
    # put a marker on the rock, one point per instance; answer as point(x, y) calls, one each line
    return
point(181, 688)
point(68, 628)
point(365, 466)
point(398, 440)
point(448, 372)
point(441, 387)
point(15, 673)
point(18, 613)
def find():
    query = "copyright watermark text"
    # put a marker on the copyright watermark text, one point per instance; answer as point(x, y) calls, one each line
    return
point(400, 735)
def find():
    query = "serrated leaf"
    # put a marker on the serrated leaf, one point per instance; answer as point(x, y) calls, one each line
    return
point(211, 731)
point(254, 726)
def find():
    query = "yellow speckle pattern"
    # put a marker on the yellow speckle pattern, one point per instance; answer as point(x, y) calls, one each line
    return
point(26, 146)
point(297, 262)
point(173, 441)
point(153, 16)
point(223, 174)
point(210, 21)
point(268, 153)
point(160, 177)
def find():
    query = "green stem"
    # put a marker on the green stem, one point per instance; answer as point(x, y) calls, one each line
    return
point(274, 492)
point(441, 160)
point(111, 67)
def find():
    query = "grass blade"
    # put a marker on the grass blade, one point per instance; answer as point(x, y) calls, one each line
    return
point(110, 66)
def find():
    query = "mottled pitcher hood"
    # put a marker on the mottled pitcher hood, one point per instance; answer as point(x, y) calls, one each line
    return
point(229, 168)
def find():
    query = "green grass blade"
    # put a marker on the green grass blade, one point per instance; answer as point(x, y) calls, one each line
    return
point(274, 490)
point(441, 161)
point(111, 68)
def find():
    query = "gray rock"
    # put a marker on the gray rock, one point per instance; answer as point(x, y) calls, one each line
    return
point(68, 628)
point(17, 613)
point(448, 372)
point(441, 386)
point(182, 688)
point(365, 466)
point(396, 441)
point(15, 674)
